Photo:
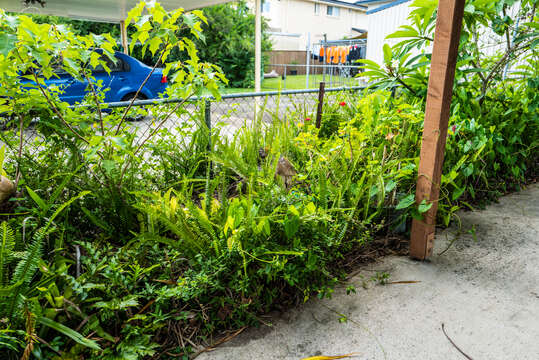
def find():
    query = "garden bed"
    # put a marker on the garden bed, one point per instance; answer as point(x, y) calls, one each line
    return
point(141, 244)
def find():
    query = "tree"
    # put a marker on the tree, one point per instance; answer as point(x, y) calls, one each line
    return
point(230, 42)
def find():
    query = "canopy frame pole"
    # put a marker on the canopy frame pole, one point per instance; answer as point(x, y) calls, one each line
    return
point(258, 45)
point(440, 91)
point(123, 33)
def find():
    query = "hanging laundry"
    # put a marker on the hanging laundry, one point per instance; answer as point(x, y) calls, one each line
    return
point(321, 54)
point(328, 55)
point(362, 52)
point(335, 55)
point(342, 54)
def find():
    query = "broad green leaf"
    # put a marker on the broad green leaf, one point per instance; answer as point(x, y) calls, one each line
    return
point(39, 201)
point(402, 34)
point(406, 202)
point(424, 206)
point(77, 337)
point(458, 193)
point(387, 53)
point(7, 43)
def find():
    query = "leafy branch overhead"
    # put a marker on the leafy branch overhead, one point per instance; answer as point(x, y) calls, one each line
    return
point(486, 25)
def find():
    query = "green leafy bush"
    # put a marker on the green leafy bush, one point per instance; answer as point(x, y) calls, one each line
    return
point(132, 242)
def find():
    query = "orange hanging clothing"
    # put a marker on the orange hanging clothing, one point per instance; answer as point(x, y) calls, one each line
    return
point(342, 55)
point(335, 54)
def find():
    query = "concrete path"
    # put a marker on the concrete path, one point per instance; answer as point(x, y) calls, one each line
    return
point(485, 289)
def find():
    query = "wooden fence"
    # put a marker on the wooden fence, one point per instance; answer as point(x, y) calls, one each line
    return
point(288, 57)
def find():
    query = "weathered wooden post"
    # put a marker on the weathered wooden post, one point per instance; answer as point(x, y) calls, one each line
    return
point(321, 92)
point(442, 74)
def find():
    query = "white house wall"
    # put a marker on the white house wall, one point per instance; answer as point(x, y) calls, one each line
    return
point(383, 23)
point(387, 21)
point(291, 21)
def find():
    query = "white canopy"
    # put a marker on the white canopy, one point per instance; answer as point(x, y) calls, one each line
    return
point(97, 10)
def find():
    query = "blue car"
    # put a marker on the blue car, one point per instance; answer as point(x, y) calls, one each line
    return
point(121, 84)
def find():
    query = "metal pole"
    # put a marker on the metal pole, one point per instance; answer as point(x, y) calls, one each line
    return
point(258, 44)
point(284, 78)
point(123, 34)
point(321, 92)
point(308, 60)
point(207, 119)
point(325, 58)
point(439, 93)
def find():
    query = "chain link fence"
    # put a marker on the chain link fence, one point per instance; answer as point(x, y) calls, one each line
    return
point(234, 111)
point(180, 124)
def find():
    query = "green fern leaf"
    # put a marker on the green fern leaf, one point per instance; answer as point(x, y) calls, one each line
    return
point(6, 251)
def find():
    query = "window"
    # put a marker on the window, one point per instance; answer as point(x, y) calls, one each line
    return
point(316, 8)
point(333, 11)
point(265, 6)
point(113, 66)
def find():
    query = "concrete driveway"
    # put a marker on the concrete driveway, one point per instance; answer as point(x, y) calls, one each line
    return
point(485, 289)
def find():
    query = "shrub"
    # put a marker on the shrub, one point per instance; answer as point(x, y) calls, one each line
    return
point(142, 240)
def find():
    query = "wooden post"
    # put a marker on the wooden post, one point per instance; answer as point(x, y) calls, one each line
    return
point(442, 74)
point(321, 92)
point(123, 33)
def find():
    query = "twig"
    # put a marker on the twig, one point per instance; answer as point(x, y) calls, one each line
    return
point(48, 345)
point(21, 140)
point(139, 90)
point(217, 343)
point(406, 86)
point(149, 137)
point(455, 345)
point(55, 109)
point(161, 123)
point(457, 235)
point(359, 325)
point(96, 100)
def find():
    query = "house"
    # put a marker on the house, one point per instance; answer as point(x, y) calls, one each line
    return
point(383, 18)
point(293, 22)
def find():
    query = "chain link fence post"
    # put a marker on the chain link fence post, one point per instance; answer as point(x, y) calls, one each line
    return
point(207, 119)
point(321, 92)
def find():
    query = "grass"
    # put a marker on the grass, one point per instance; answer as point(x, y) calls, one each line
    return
point(296, 82)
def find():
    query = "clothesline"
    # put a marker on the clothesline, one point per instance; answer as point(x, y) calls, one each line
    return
point(348, 54)
point(342, 42)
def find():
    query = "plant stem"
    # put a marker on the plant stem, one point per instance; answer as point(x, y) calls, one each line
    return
point(150, 136)
point(139, 90)
point(21, 139)
point(96, 100)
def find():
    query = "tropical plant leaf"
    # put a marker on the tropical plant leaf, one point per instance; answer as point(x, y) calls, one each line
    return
point(77, 337)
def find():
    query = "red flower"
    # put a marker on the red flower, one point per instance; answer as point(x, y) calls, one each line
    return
point(342, 103)
point(307, 119)
point(399, 110)
point(454, 128)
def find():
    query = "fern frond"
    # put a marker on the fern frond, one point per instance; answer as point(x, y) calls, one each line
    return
point(25, 269)
point(6, 251)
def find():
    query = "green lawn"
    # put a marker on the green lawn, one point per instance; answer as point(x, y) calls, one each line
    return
point(295, 82)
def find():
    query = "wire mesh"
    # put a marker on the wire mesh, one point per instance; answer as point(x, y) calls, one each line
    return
point(182, 126)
